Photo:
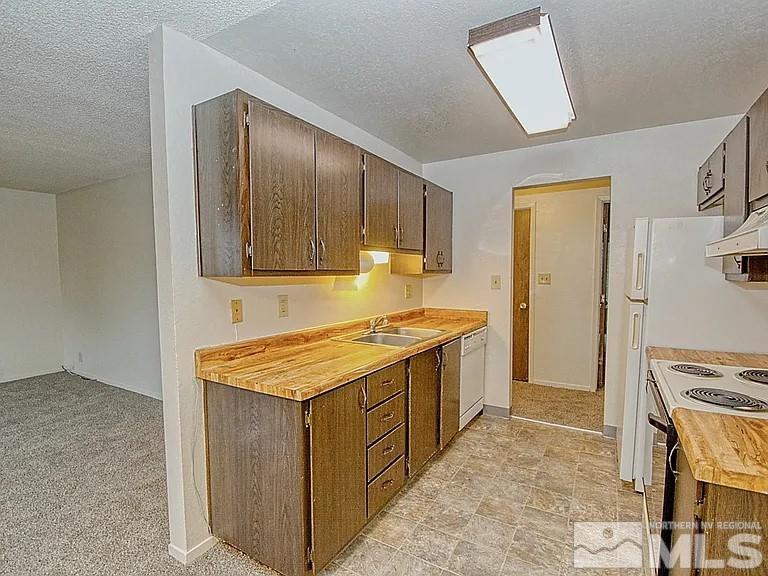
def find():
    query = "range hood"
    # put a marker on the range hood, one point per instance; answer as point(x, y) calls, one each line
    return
point(749, 239)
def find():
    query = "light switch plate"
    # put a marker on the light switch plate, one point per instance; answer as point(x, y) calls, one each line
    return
point(236, 307)
point(282, 306)
point(409, 291)
point(544, 279)
point(495, 282)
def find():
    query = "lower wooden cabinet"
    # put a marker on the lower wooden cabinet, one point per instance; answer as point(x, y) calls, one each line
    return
point(337, 469)
point(449, 391)
point(291, 483)
point(719, 521)
point(423, 409)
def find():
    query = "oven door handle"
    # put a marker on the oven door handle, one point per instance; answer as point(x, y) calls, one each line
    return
point(658, 423)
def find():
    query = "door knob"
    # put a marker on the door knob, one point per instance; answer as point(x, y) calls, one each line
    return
point(523, 306)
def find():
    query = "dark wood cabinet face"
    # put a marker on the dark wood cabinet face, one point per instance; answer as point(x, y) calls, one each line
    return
point(338, 203)
point(423, 409)
point(338, 469)
point(438, 229)
point(380, 197)
point(282, 167)
point(410, 211)
point(449, 392)
point(758, 149)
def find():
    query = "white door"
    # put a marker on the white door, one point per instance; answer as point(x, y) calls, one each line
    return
point(634, 399)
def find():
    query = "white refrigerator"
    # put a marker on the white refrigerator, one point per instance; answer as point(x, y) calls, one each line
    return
point(676, 297)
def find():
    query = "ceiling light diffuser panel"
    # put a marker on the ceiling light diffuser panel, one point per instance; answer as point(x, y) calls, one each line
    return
point(519, 57)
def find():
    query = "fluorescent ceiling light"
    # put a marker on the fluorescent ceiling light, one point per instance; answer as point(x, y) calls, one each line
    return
point(518, 56)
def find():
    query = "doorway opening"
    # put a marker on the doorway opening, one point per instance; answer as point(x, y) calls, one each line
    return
point(561, 239)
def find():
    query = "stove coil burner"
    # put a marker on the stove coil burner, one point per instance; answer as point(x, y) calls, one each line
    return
point(726, 399)
point(756, 376)
point(696, 370)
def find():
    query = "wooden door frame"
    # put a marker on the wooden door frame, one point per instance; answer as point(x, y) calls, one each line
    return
point(524, 204)
point(600, 201)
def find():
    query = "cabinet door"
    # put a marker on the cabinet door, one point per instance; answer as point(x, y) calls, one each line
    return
point(282, 150)
point(438, 242)
point(380, 203)
point(410, 211)
point(338, 203)
point(423, 409)
point(687, 492)
point(338, 476)
point(449, 392)
point(758, 149)
point(735, 202)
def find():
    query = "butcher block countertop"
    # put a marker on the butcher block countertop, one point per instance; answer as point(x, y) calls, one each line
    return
point(304, 364)
point(722, 449)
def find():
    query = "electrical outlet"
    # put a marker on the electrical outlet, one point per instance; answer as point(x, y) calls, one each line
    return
point(544, 279)
point(495, 282)
point(80, 357)
point(282, 306)
point(409, 290)
point(236, 306)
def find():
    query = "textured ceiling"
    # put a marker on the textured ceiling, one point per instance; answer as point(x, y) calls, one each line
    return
point(400, 69)
point(74, 95)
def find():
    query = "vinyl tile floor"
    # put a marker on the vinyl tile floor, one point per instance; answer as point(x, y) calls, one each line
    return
point(83, 493)
point(501, 500)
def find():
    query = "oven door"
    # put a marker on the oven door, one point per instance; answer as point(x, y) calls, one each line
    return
point(658, 478)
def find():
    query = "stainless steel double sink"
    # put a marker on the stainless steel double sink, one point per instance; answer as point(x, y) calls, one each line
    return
point(396, 336)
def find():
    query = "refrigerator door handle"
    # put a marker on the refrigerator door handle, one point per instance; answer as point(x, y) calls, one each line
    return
point(635, 331)
point(640, 272)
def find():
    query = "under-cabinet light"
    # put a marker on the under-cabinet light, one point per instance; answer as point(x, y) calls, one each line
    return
point(519, 57)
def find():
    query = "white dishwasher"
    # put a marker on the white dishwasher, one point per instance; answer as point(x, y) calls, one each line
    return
point(472, 388)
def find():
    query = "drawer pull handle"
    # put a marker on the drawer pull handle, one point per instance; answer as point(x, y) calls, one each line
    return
point(387, 484)
point(387, 416)
point(387, 383)
point(388, 450)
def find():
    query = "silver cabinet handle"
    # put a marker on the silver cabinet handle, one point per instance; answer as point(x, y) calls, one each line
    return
point(388, 450)
point(311, 250)
point(397, 236)
point(321, 255)
point(439, 360)
point(388, 416)
point(675, 448)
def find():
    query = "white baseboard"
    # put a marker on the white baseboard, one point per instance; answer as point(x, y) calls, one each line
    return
point(189, 556)
point(121, 385)
point(567, 385)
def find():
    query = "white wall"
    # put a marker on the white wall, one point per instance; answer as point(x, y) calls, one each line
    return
point(653, 173)
point(109, 283)
point(563, 315)
point(194, 311)
point(30, 299)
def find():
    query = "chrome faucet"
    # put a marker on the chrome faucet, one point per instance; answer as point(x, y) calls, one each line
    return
point(379, 322)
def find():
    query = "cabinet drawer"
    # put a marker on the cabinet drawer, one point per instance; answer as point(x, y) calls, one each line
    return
point(386, 417)
point(386, 451)
point(385, 383)
point(381, 490)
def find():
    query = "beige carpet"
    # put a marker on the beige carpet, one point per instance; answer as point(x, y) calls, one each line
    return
point(558, 405)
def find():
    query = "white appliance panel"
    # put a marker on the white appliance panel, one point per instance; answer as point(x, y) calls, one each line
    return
point(472, 386)
point(637, 260)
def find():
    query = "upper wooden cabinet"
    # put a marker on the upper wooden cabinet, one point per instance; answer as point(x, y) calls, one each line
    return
point(338, 203)
point(758, 149)
point(410, 190)
point(380, 203)
point(282, 162)
point(393, 203)
point(275, 195)
point(438, 229)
